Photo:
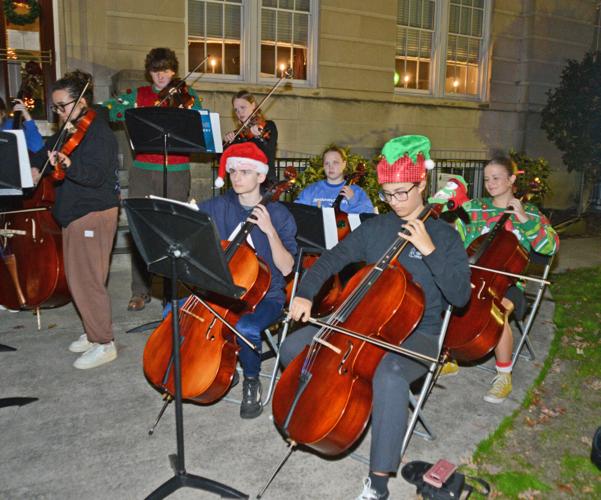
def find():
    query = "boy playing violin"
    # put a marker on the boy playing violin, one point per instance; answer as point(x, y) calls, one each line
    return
point(438, 263)
point(146, 176)
point(323, 193)
point(274, 240)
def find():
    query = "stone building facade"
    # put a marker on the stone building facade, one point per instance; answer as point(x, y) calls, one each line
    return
point(503, 59)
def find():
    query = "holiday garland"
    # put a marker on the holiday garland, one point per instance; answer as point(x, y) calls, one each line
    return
point(21, 19)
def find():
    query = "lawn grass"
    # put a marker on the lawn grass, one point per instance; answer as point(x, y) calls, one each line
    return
point(543, 449)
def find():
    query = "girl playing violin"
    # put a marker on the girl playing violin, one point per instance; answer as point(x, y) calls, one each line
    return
point(533, 231)
point(323, 193)
point(438, 263)
point(146, 176)
point(86, 208)
point(260, 131)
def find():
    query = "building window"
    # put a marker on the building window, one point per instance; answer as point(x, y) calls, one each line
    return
point(464, 44)
point(252, 40)
point(284, 37)
point(415, 30)
point(214, 30)
point(442, 47)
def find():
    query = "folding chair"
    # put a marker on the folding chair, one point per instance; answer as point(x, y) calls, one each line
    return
point(417, 402)
point(534, 293)
point(524, 327)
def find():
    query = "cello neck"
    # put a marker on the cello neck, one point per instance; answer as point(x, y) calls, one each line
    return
point(497, 228)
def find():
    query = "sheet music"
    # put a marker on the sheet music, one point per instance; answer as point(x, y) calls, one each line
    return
point(216, 128)
point(24, 165)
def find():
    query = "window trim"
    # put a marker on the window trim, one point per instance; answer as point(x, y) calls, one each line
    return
point(250, 49)
point(438, 64)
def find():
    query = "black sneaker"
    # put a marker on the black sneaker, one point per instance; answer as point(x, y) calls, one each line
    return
point(251, 406)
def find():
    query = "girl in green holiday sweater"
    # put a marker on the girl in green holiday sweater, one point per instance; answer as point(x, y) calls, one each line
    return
point(533, 231)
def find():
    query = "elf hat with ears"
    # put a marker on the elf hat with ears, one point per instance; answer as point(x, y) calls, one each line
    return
point(405, 159)
point(244, 155)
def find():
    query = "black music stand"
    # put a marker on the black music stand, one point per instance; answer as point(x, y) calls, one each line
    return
point(166, 131)
point(309, 227)
point(172, 238)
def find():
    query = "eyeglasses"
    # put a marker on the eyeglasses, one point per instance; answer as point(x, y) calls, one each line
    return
point(61, 106)
point(397, 195)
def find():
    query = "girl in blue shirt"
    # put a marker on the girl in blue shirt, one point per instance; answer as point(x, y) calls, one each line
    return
point(323, 193)
point(32, 134)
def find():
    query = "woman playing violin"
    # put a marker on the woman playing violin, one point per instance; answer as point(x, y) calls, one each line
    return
point(259, 130)
point(86, 208)
point(323, 193)
point(438, 263)
point(533, 231)
point(146, 176)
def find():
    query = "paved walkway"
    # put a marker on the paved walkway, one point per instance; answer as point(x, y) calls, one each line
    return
point(86, 437)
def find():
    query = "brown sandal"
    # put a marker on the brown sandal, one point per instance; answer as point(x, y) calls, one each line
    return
point(138, 302)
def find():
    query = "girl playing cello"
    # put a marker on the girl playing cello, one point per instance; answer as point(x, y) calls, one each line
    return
point(533, 231)
point(437, 262)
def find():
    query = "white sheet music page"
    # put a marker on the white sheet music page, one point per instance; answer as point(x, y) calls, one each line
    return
point(24, 165)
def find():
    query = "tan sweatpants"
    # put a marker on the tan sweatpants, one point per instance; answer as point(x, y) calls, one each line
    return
point(87, 245)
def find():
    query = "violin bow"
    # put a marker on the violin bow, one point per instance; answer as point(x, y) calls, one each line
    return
point(173, 89)
point(287, 74)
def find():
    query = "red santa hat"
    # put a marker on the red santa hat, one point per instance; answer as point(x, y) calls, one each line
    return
point(244, 155)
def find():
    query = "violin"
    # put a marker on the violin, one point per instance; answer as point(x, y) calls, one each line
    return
point(81, 128)
point(324, 397)
point(209, 348)
point(475, 330)
point(175, 94)
point(260, 122)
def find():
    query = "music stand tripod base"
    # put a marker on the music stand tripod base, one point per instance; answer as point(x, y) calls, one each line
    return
point(172, 238)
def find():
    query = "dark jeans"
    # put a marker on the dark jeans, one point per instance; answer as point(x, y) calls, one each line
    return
point(143, 183)
point(390, 393)
point(250, 326)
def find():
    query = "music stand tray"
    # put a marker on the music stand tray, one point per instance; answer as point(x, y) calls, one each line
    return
point(182, 244)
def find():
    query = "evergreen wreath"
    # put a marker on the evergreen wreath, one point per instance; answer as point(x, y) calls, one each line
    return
point(21, 19)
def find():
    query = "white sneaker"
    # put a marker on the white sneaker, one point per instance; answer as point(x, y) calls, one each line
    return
point(82, 344)
point(98, 355)
point(369, 493)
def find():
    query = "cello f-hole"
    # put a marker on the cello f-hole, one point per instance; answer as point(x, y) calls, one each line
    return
point(341, 367)
point(209, 335)
point(481, 289)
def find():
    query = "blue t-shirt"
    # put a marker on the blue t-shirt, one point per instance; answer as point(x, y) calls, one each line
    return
point(227, 213)
point(323, 194)
point(33, 138)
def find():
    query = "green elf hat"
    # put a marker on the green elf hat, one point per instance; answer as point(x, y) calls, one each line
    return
point(405, 159)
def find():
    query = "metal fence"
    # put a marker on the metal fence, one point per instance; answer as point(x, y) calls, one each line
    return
point(471, 170)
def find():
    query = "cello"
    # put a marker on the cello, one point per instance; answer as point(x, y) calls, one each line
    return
point(32, 273)
point(209, 349)
point(324, 397)
point(475, 330)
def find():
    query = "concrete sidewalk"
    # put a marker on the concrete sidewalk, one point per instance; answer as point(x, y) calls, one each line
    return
point(86, 437)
